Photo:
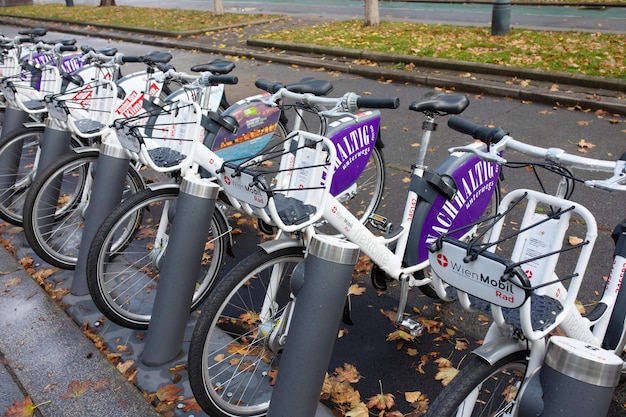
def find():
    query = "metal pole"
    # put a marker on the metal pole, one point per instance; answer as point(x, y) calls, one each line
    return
point(501, 17)
point(54, 143)
point(181, 266)
point(313, 329)
point(13, 119)
point(106, 193)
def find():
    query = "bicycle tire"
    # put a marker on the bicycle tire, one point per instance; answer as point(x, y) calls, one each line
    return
point(133, 264)
point(502, 385)
point(19, 152)
point(55, 233)
point(239, 383)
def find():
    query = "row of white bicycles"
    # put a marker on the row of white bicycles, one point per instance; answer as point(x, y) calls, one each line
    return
point(303, 164)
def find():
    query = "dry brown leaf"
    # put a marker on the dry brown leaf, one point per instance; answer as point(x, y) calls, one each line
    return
point(443, 363)
point(461, 344)
point(391, 315)
point(445, 375)
point(347, 373)
point(358, 410)
point(381, 401)
point(574, 240)
point(168, 393)
point(76, 388)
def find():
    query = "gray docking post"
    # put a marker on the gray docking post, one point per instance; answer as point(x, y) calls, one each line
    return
point(314, 326)
point(181, 266)
point(14, 119)
point(106, 193)
point(10, 161)
point(54, 143)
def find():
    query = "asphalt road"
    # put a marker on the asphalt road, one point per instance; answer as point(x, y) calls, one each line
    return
point(364, 344)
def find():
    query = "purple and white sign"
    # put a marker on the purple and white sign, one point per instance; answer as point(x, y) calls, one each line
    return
point(476, 181)
point(354, 141)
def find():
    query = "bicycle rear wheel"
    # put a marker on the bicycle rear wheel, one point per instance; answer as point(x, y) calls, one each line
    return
point(125, 256)
point(482, 389)
point(237, 342)
point(56, 203)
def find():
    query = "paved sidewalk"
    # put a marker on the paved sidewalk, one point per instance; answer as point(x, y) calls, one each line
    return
point(74, 378)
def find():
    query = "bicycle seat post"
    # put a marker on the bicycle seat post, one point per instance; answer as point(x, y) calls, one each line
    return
point(428, 127)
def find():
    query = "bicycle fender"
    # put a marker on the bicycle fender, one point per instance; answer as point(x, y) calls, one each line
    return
point(86, 149)
point(272, 246)
point(497, 349)
point(30, 125)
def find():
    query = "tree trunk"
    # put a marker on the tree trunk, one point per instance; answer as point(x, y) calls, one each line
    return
point(218, 7)
point(107, 3)
point(372, 17)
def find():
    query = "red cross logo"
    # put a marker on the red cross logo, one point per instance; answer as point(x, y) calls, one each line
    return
point(442, 260)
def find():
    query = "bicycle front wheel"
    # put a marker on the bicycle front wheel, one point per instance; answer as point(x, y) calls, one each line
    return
point(237, 342)
point(125, 257)
point(56, 203)
point(482, 389)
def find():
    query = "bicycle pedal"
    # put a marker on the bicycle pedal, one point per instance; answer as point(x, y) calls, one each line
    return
point(379, 222)
point(414, 328)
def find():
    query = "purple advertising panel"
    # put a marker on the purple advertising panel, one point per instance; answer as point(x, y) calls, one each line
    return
point(354, 141)
point(476, 182)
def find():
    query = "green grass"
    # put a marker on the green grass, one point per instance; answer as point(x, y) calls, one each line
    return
point(176, 20)
point(595, 54)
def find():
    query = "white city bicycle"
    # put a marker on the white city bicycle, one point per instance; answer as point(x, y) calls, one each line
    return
point(509, 273)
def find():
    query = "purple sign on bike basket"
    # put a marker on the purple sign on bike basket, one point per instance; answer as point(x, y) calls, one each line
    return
point(476, 181)
point(354, 142)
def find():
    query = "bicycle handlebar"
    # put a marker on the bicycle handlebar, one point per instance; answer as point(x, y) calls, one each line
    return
point(482, 133)
point(311, 92)
point(206, 79)
point(499, 140)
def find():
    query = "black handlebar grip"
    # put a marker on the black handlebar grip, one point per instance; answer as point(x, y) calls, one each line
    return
point(132, 58)
point(483, 133)
point(164, 67)
point(378, 102)
point(265, 85)
point(224, 79)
